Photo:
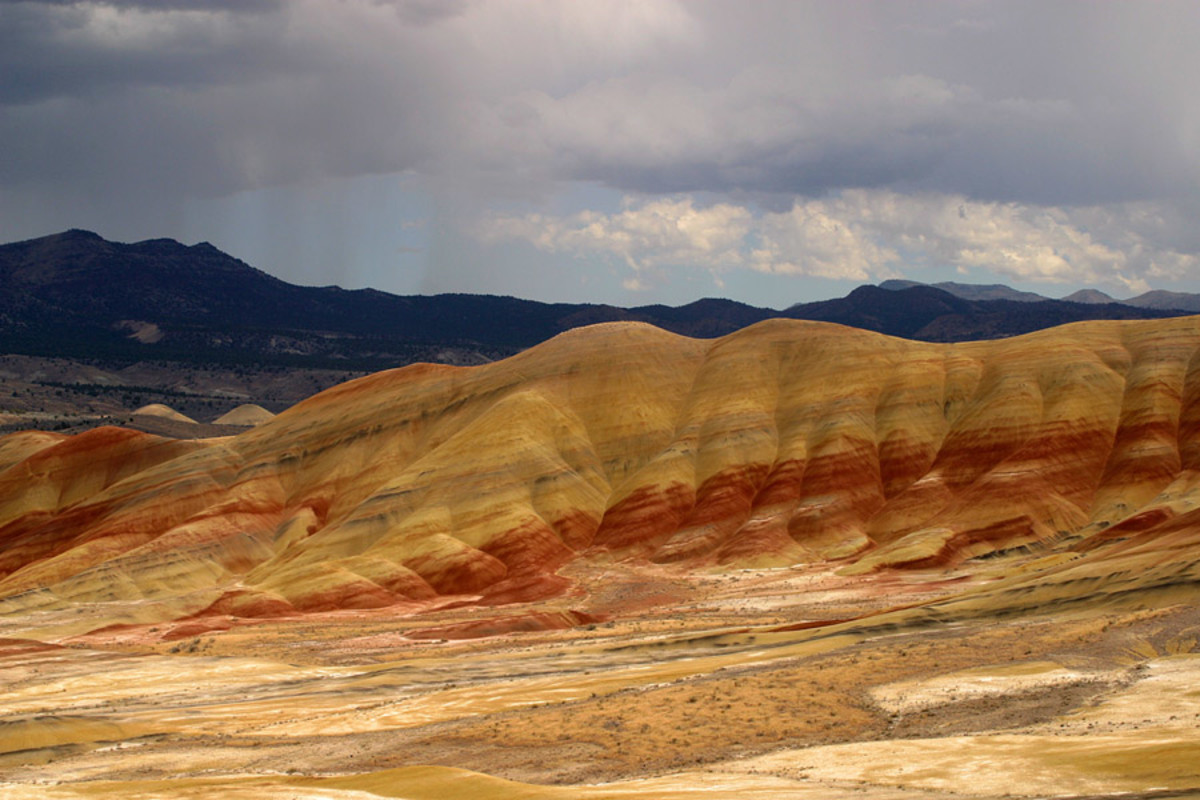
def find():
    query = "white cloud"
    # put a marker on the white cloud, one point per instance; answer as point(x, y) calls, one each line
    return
point(643, 236)
point(862, 235)
point(819, 238)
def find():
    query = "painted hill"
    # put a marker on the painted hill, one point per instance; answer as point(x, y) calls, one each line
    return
point(247, 414)
point(162, 411)
point(788, 442)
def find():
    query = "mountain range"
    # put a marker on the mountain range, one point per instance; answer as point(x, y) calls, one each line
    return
point(1157, 299)
point(78, 295)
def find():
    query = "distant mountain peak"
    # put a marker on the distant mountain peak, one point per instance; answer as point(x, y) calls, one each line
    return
point(1093, 296)
point(899, 284)
point(1162, 299)
point(968, 291)
point(80, 233)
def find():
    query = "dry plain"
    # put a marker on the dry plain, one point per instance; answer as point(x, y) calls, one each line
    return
point(799, 561)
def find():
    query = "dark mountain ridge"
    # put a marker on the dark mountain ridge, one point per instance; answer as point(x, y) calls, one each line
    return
point(1156, 298)
point(78, 295)
point(969, 291)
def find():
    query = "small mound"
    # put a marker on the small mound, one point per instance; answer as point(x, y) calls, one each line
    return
point(165, 412)
point(247, 414)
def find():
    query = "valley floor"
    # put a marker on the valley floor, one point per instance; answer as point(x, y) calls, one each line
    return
point(789, 683)
point(71, 395)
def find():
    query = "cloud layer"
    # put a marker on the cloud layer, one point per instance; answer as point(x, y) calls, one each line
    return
point(866, 235)
point(824, 138)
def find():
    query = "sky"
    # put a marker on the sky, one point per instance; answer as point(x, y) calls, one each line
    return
point(649, 151)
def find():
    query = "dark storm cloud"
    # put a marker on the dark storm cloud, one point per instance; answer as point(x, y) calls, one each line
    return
point(187, 99)
point(1044, 103)
point(52, 50)
point(242, 6)
point(220, 100)
point(426, 12)
point(1047, 153)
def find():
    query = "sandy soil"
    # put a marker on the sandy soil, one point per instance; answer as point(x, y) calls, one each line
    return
point(734, 685)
